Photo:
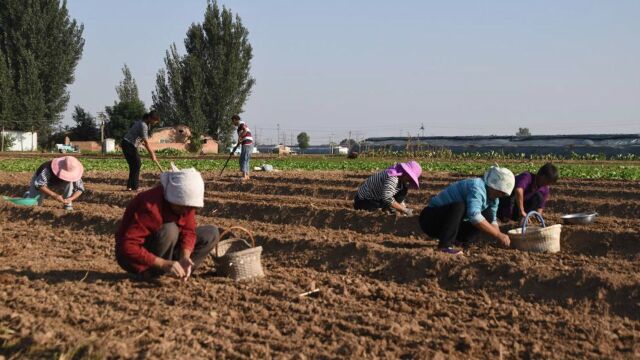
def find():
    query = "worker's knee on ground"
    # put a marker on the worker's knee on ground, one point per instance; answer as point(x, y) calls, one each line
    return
point(170, 232)
point(207, 234)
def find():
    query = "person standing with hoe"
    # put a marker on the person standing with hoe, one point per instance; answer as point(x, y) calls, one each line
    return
point(138, 133)
point(246, 141)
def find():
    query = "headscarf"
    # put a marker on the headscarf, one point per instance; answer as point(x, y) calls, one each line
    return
point(183, 187)
point(500, 179)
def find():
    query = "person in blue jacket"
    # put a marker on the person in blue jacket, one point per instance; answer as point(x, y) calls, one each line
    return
point(466, 208)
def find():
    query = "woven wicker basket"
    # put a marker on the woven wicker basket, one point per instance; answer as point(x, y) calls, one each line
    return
point(536, 239)
point(236, 258)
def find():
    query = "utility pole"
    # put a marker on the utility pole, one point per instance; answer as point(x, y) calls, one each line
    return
point(102, 117)
point(278, 137)
point(255, 137)
point(331, 143)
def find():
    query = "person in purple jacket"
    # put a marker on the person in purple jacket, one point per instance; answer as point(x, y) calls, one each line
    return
point(530, 194)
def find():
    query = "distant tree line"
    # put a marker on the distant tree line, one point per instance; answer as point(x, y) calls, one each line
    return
point(40, 47)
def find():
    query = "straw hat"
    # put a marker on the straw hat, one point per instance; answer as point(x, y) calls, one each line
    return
point(67, 168)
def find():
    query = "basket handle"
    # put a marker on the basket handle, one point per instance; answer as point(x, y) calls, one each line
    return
point(228, 231)
point(526, 220)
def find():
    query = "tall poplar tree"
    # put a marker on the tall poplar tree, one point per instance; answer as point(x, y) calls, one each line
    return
point(127, 109)
point(212, 81)
point(40, 46)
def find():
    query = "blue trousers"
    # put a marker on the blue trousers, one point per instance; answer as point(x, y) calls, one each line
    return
point(245, 156)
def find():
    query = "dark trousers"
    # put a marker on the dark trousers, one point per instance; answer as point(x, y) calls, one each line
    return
point(513, 212)
point(370, 205)
point(446, 224)
point(133, 159)
point(163, 244)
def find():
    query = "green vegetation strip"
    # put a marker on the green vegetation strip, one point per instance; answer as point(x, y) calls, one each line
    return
point(582, 170)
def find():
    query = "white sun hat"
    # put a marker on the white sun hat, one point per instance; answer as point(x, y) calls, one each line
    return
point(499, 178)
point(183, 187)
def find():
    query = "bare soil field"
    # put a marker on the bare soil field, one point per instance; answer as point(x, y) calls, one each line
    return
point(385, 291)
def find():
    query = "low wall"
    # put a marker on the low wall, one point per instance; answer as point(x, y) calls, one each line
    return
point(87, 145)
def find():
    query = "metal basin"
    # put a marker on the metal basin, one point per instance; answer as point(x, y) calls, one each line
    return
point(579, 218)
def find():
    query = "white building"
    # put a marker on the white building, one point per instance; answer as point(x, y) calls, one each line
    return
point(22, 140)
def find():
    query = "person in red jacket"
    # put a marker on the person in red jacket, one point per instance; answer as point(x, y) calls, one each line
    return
point(158, 233)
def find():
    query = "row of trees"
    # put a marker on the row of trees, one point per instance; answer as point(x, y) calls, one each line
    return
point(40, 47)
point(211, 82)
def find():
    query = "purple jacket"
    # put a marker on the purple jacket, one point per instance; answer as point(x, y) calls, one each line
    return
point(527, 182)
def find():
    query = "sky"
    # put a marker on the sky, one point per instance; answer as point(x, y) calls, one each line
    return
point(386, 68)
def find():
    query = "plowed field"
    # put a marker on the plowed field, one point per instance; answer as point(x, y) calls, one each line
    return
point(384, 290)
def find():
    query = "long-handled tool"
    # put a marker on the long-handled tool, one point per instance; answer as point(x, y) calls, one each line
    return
point(159, 166)
point(229, 158)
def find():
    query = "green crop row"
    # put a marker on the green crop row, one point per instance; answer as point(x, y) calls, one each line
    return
point(584, 170)
point(447, 154)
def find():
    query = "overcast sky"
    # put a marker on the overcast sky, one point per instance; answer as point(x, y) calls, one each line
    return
point(384, 68)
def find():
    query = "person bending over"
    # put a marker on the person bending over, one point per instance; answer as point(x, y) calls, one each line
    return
point(387, 189)
point(138, 134)
point(158, 233)
point(465, 208)
point(63, 173)
point(531, 193)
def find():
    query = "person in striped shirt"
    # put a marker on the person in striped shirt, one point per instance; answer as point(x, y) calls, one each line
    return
point(467, 207)
point(246, 141)
point(63, 173)
point(387, 189)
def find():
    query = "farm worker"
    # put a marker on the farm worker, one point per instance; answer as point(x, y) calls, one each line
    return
point(245, 140)
point(137, 134)
point(387, 189)
point(531, 193)
point(465, 208)
point(63, 173)
point(158, 232)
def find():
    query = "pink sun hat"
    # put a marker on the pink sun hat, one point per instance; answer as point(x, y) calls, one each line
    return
point(411, 168)
point(67, 168)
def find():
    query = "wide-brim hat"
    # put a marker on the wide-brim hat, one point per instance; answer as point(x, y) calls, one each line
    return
point(413, 169)
point(67, 168)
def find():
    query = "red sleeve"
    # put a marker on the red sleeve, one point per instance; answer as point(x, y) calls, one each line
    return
point(188, 231)
point(144, 219)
